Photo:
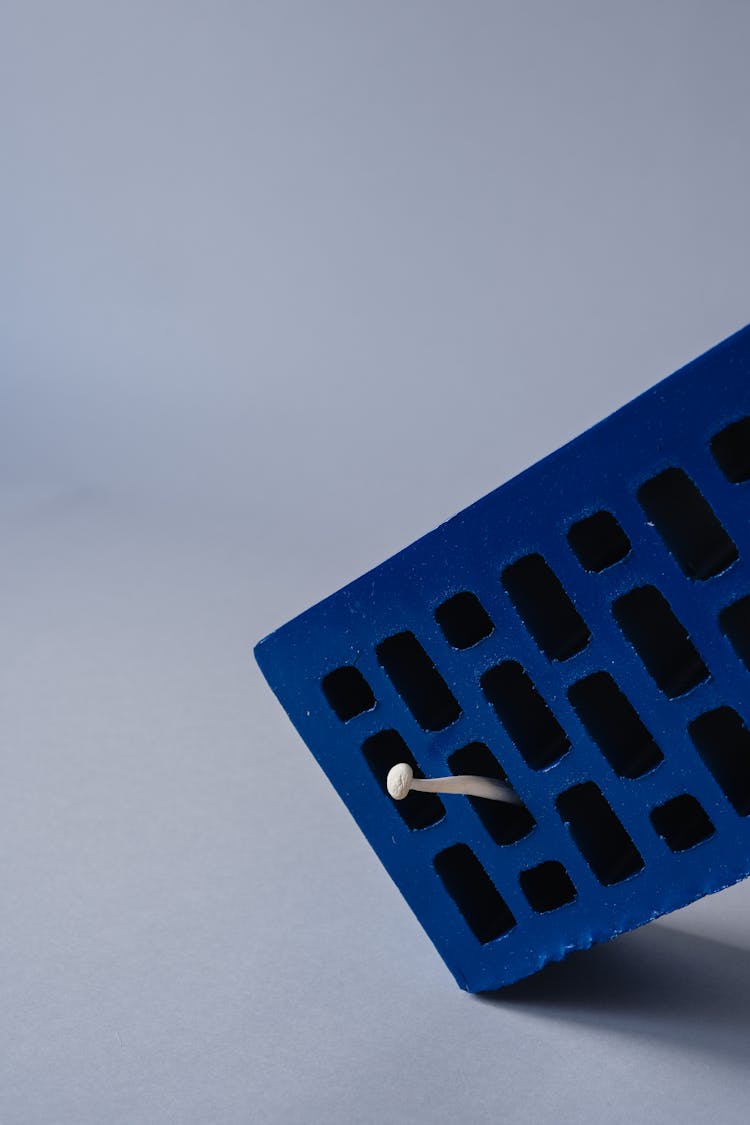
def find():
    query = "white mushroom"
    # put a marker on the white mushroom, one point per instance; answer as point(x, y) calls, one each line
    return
point(401, 781)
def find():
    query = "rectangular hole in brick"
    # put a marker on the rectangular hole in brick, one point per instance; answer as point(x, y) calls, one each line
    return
point(731, 450)
point(417, 681)
point(545, 608)
point(661, 641)
point(687, 524)
point(525, 715)
point(385, 750)
point(547, 887)
point(723, 742)
point(474, 893)
point(734, 622)
point(598, 541)
point(614, 725)
point(464, 620)
point(598, 834)
point(348, 692)
point(682, 823)
point(504, 822)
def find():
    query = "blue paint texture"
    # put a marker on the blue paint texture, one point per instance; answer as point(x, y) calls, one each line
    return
point(601, 706)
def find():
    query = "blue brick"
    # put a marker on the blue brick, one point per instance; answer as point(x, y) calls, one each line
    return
point(598, 665)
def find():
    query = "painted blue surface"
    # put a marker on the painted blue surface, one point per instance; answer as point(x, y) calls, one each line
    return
point(669, 426)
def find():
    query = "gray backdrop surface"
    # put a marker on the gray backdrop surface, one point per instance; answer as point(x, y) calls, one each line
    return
point(283, 285)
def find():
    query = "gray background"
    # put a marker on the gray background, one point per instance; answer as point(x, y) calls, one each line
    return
point(283, 285)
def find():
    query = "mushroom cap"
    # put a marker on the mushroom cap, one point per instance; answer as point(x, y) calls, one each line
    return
point(399, 780)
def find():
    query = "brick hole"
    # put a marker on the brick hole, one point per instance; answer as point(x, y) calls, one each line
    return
point(661, 641)
point(723, 742)
point(348, 692)
point(734, 622)
point(614, 725)
point(505, 823)
point(545, 608)
point(598, 834)
point(547, 887)
point(525, 715)
point(687, 524)
point(417, 681)
point(682, 822)
point(464, 620)
point(598, 541)
point(474, 893)
point(383, 751)
point(731, 450)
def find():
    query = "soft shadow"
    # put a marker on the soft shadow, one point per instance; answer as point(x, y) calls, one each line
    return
point(661, 982)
